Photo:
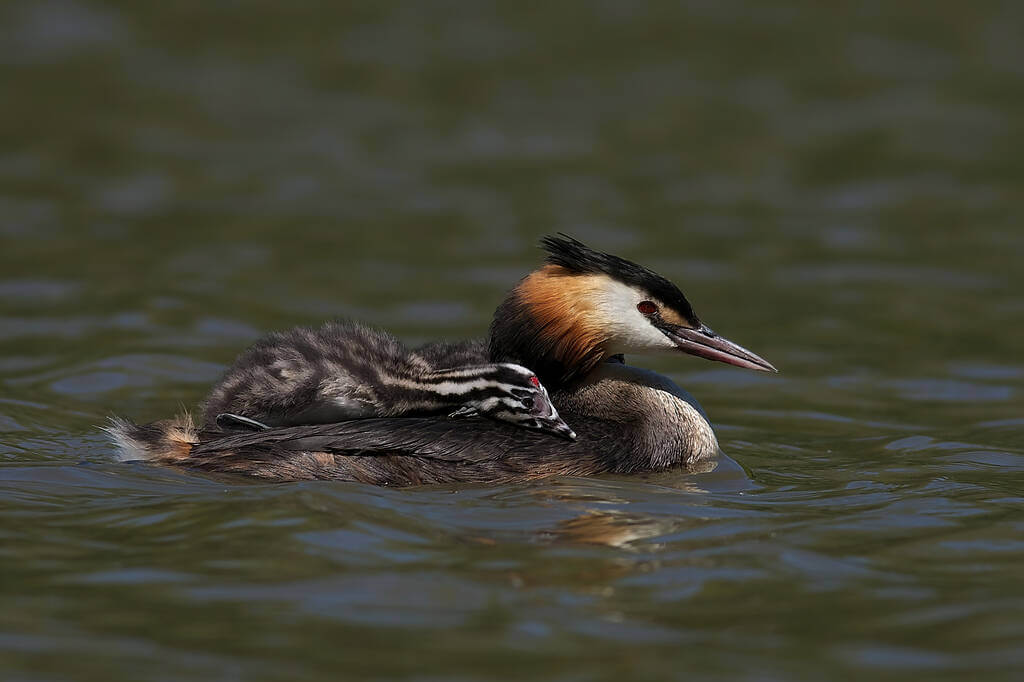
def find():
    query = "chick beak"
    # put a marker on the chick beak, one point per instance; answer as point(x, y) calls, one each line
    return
point(557, 427)
point(548, 420)
point(706, 344)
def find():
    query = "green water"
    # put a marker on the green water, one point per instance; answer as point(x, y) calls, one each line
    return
point(837, 186)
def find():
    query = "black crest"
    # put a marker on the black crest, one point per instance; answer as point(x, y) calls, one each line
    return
point(575, 256)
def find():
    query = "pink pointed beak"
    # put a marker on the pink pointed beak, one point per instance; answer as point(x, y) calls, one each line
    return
point(706, 344)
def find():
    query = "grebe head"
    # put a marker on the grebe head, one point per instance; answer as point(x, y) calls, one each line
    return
point(514, 394)
point(584, 306)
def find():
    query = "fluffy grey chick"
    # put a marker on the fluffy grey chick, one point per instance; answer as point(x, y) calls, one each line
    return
point(344, 370)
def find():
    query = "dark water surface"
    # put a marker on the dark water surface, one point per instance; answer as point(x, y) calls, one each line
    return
point(836, 186)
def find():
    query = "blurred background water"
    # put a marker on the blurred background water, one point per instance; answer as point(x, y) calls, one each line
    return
point(837, 186)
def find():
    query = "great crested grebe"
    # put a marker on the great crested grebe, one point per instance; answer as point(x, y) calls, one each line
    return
point(570, 321)
point(344, 370)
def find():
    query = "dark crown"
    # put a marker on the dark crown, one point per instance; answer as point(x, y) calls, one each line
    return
point(575, 256)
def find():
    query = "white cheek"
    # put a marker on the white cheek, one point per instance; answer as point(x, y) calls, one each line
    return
point(631, 332)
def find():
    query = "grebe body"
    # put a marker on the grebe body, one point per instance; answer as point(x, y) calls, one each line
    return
point(627, 420)
point(569, 322)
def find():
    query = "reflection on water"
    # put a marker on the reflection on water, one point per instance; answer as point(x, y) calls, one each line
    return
point(837, 187)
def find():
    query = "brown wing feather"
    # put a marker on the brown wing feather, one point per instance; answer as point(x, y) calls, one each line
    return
point(410, 451)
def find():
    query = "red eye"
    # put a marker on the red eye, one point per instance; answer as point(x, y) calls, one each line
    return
point(646, 307)
point(535, 381)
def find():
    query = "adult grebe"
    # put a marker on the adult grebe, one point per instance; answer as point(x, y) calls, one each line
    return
point(569, 321)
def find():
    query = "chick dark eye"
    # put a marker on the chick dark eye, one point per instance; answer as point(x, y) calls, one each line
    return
point(647, 307)
point(527, 403)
